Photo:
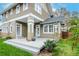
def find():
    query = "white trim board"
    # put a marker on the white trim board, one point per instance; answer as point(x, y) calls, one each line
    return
point(24, 16)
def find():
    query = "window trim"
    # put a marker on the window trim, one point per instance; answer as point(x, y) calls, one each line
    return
point(11, 28)
point(37, 7)
point(7, 14)
point(20, 29)
point(1, 16)
point(11, 11)
point(56, 27)
point(25, 7)
point(18, 11)
point(48, 29)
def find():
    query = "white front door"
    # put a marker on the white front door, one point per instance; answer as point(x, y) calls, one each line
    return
point(18, 30)
point(37, 30)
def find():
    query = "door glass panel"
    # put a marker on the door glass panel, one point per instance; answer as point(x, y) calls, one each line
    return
point(18, 30)
point(37, 31)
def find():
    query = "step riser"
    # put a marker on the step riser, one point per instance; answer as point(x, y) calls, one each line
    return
point(24, 45)
point(21, 47)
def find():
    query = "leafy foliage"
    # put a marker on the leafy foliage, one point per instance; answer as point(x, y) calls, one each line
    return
point(50, 45)
point(8, 37)
point(74, 21)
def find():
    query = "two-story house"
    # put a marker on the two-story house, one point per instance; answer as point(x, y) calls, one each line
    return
point(29, 20)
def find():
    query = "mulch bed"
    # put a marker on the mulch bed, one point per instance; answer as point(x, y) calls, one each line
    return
point(44, 52)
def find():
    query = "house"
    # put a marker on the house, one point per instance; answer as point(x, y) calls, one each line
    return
point(31, 20)
point(27, 20)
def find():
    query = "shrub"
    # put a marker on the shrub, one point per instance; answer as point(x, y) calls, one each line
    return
point(8, 37)
point(50, 45)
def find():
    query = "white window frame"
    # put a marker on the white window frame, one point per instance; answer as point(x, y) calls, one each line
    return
point(11, 28)
point(11, 11)
point(18, 9)
point(4, 29)
point(37, 26)
point(55, 29)
point(47, 29)
point(25, 6)
point(38, 8)
point(7, 14)
point(1, 16)
point(20, 29)
point(44, 28)
point(51, 28)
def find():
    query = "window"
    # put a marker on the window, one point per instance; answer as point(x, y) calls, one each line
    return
point(55, 28)
point(17, 9)
point(4, 29)
point(6, 14)
point(0, 17)
point(38, 8)
point(45, 28)
point(50, 28)
point(11, 11)
point(10, 28)
point(25, 6)
point(19, 29)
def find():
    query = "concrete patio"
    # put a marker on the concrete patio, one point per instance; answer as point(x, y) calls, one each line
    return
point(32, 46)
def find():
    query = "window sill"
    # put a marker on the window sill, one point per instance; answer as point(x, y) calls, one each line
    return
point(48, 32)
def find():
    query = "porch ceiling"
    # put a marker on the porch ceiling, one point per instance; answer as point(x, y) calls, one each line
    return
point(25, 20)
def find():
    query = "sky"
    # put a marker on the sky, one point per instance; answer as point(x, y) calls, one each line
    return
point(68, 6)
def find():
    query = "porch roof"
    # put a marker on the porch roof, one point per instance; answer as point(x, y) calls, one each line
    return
point(55, 19)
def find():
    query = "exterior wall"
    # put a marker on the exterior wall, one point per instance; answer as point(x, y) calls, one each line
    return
point(13, 34)
point(4, 33)
point(24, 29)
point(7, 29)
point(43, 34)
point(21, 13)
point(31, 9)
point(43, 15)
point(47, 35)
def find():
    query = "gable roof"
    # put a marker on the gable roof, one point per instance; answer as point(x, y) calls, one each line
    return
point(55, 19)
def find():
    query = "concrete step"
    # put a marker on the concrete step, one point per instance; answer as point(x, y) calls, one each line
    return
point(31, 49)
point(24, 44)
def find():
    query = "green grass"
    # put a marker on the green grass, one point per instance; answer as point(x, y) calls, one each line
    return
point(64, 48)
point(8, 50)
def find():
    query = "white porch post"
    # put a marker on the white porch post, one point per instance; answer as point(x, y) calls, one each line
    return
point(30, 27)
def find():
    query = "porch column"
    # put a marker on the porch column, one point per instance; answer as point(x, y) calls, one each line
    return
point(30, 28)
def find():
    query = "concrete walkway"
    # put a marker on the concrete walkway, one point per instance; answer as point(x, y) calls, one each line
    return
point(31, 46)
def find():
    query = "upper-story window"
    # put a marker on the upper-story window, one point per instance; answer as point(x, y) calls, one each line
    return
point(11, 11)
point(25, 6)
point(6, 14)
point(17, 9)
point(38, 8)
point(0, 17)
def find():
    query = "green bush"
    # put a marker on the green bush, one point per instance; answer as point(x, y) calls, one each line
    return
point(50, 45)
point(8, 37)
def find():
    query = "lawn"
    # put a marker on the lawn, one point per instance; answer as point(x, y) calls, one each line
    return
point(8, 50)
point(64, 48)
point(69, 46)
